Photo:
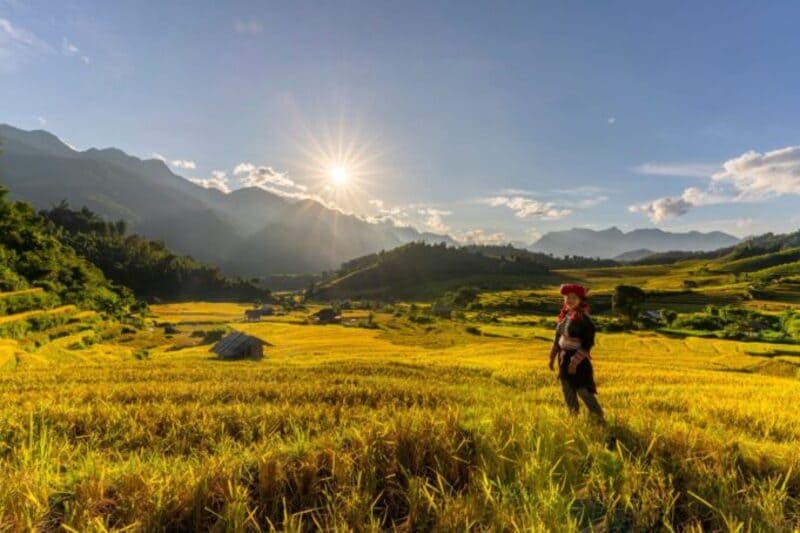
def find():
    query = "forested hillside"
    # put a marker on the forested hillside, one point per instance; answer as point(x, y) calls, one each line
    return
point(31, 256)
point(758, 245)
point(425, 270)
point(147, 267)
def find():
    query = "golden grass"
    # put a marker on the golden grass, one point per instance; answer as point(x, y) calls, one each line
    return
point(414, 427)
point(37, 312)
point(22, 292)
point(200, 312)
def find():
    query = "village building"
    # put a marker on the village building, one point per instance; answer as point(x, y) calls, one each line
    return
point(238, 345)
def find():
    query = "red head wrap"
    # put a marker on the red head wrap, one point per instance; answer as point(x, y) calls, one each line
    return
point(578, 290)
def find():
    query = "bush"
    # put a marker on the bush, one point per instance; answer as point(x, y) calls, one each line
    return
point(214, 335)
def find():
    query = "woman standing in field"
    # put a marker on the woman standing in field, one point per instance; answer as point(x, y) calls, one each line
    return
point(573, 342)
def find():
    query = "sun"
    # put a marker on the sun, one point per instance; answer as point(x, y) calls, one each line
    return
point(338, 174)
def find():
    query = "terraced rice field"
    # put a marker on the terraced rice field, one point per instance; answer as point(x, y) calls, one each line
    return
point(407, 426)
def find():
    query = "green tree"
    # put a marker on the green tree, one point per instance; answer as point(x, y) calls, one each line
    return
point(627, 301)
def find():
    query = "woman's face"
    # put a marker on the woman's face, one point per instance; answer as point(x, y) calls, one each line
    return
point(572, 301)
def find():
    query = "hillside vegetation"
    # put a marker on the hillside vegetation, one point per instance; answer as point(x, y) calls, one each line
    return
point(148, 268)
point(424, 270)
point(33, 259)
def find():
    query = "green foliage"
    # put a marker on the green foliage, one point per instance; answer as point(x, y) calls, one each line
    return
point(462, 297)
point(147, 267)
point(548, 260)
point(411, 268)
point(34, 257)
point(627, 301)
point(732, 322)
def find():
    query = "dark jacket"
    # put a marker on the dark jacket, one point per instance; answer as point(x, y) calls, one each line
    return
point(581, 328)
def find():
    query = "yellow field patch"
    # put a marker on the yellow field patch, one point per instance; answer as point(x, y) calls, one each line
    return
point(37, 312)
point(431, 425)
point(199, 312)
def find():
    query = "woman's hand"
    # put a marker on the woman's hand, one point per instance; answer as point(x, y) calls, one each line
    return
point(576, 359)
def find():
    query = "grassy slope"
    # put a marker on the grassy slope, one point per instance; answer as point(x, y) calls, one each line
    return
point(419, 426)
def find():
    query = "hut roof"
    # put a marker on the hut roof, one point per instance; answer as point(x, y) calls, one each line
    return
point(230, 345)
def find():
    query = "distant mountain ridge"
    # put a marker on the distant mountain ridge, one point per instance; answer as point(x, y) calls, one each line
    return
point(248, 232)
point(613, 242)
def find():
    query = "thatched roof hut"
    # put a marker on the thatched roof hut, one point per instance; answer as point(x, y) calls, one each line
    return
point(239, 345)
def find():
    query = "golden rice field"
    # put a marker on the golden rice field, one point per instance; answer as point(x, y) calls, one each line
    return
point(409, 427)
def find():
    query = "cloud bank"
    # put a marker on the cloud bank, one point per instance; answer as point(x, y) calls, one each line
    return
point(528, 207)
point(750, 177)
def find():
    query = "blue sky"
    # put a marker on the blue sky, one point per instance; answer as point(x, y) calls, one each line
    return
point(489, 121)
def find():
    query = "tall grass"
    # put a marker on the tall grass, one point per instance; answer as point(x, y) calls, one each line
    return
point(348, 428)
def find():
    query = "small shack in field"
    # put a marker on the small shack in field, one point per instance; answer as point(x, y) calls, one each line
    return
point(326, 315)
point(239, 345)
point(252, 315)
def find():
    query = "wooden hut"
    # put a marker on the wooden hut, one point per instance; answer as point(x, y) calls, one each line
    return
point(239, 345)
point(326, 315)
point(252, 315)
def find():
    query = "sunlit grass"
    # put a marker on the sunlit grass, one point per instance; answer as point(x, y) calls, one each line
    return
point(413, 426)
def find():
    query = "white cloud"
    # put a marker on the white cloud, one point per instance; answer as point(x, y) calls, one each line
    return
point(267, 178)
point(684, 170)
point(591, 202)
point(183, 163)
point(41, 120)
point(85, 59)
point(68, 48)
point(18, 44)
point(662, 209)
point(69, 144)
point(757, 176)
point(397, 215)
point(750, 177)
point(249, 26)
point(479, 236)
point(218, 180)
point(528, 207)
point(581, 190)
point(612, 120)
point(424, 216)
point(434, 219)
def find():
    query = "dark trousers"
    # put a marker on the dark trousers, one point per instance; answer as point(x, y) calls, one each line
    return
point(589, 398)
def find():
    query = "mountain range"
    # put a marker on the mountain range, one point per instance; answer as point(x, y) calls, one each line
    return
point(613, 243)
point(248, 232)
